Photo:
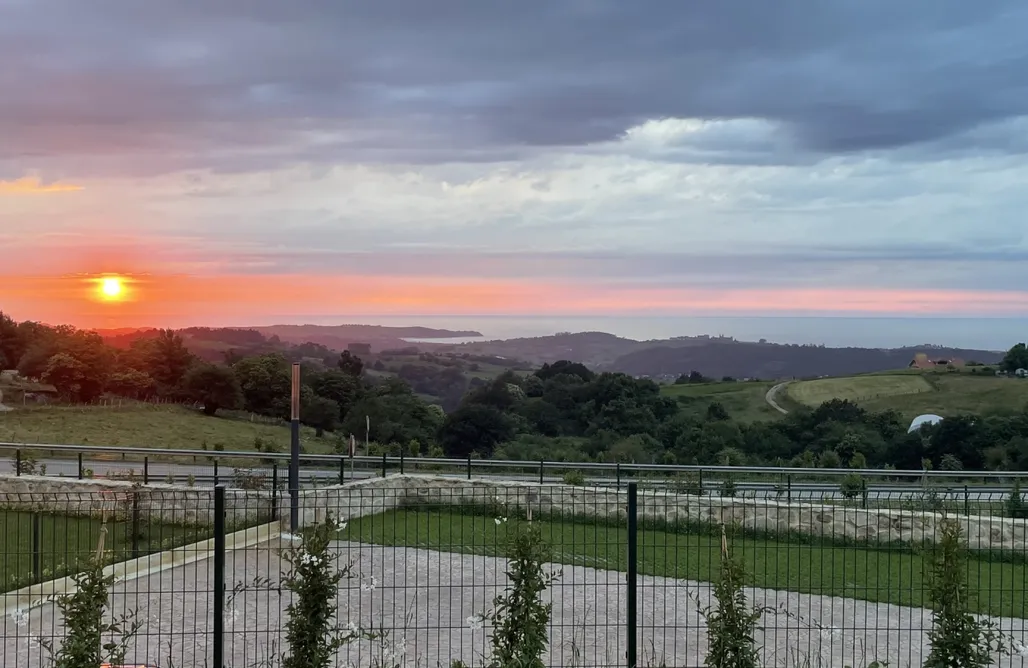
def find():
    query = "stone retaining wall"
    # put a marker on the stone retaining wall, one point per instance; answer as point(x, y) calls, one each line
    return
point(814, 519)
point(367, 497)
point(165, 503)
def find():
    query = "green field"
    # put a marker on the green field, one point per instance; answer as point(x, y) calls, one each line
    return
point(744, 401)
point(913, 394)
point(893, 575)
point(144, 426)
point(65, 541)
point(856, 388)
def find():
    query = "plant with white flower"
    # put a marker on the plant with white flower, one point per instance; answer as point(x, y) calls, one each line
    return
point(369, 583)
point(475, 622)
point(312, 635)
point(500, 520)
point(20, 618)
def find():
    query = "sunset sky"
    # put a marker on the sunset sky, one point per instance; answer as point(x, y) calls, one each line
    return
point(240, 162)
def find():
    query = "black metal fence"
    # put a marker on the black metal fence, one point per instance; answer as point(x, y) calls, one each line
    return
point(842, 581)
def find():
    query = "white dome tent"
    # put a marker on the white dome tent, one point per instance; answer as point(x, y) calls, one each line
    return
point(921, 420)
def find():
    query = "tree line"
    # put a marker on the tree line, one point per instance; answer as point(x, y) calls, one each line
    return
point(560, 412)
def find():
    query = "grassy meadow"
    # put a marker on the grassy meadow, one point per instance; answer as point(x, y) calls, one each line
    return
point(744, 401)
point(142, 425)
point(887, 574)
point(913, 394)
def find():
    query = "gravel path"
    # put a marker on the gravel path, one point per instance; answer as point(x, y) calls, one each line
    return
point(423, 600)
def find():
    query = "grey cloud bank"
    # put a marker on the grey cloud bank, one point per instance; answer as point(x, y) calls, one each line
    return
point(665, 143)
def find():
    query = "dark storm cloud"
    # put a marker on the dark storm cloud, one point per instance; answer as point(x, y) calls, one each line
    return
point(166, 84)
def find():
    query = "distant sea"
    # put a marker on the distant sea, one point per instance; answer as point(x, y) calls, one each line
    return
point(841, 331)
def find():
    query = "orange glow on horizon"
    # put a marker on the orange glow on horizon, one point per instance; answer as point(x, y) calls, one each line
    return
point(123, 300)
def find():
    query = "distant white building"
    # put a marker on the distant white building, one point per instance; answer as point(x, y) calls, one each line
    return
point(921, 420)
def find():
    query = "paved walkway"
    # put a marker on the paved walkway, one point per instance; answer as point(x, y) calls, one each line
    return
point(427, 604)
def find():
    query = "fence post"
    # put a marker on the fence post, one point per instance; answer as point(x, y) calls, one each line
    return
point(274, 491)
point(633, 558)
point(135, 525)
point(401, 461)
point(217, 480)
point(542, 468)
point(383, 464)
point(80, 467)
point(469, 466)
point(219, 576)
point(617, 474)
point(146, 470)
point(699, 481)
point(37, 548)
point(967, 502)
point(17, 462)
point(342, 470)
point(788, 488)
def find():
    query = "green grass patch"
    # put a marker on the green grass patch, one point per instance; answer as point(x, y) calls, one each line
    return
point(145, 426)
point(744, 401)
point(887, 574)
point(65, 541)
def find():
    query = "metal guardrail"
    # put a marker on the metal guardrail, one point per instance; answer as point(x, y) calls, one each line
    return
point(470, 464)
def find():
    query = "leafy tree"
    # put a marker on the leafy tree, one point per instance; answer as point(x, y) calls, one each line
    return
point(564, 367)
point(475, 428)
point(350, 364)
point(1016, 358)
point(12, 342)
point(215, 386)
point(167, 359)
point(343, 388)
point(321, 413)
point(266, 384)
point(130, 383)
point(67, 374)
point(396, 415)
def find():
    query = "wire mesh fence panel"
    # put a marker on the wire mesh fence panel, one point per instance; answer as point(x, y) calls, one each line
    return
point(841, 575)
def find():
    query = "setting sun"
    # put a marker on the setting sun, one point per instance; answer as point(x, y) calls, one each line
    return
point(111, 287)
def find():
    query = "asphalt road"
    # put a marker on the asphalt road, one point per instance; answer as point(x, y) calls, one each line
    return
point(203, 475)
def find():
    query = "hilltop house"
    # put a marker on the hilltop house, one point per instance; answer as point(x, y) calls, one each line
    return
point(922, 361)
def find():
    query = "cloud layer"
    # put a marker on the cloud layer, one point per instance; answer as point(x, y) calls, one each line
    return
point(667, 147)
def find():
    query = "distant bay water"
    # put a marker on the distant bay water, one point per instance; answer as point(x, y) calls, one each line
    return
point(833, 331)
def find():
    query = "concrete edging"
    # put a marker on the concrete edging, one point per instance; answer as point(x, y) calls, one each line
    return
point(35, 595)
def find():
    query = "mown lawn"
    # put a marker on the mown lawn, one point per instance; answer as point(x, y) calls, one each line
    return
point(888, 575)
point(65, 541)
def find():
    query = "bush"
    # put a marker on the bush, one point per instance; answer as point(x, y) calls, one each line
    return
point(312, 634)
point(1015, 503)
point(853, 486)
point(957, 637)
point(574, 478)
point(519, 617)
point(732, 624)
point(248, 479)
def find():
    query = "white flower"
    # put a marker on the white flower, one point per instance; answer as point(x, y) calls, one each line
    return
point(500, 520)
point(308, 559)
point(829, 631)
point(368, 584)
point(475, 622)
point(20, 617)
point(353, 629)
